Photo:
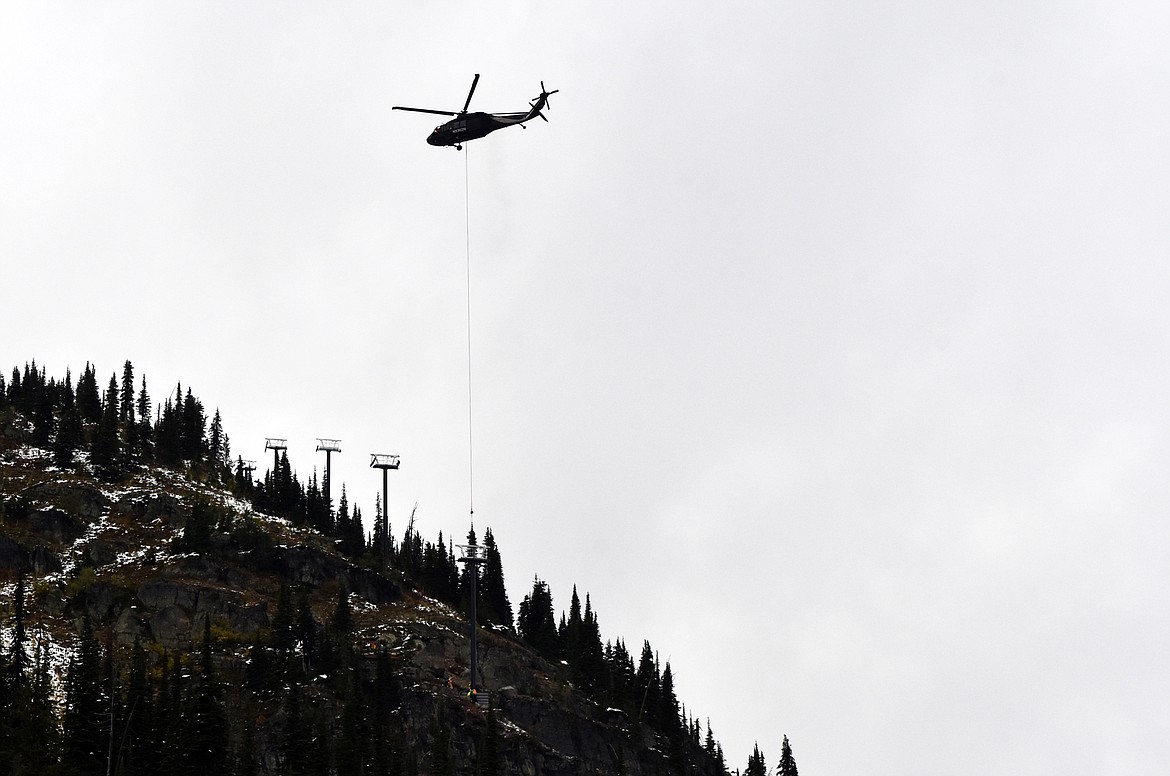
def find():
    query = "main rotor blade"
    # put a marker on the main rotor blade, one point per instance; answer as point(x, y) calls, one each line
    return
point(426, 110)
point(474, 81)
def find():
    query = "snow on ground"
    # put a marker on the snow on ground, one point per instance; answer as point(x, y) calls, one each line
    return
point(58, 654)
point(508, 724)
point(72, 557)
point(27, 453)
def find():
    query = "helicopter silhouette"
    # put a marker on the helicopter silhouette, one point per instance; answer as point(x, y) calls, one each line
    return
point(472, 126)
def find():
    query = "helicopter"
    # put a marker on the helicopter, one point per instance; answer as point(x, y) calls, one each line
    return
point(472, 126)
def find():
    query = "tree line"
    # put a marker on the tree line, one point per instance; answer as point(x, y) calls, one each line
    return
point(121, 429)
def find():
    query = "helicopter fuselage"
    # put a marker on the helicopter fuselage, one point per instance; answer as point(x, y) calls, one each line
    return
point(470, 126)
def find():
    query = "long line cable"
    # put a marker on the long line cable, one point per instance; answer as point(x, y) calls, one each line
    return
point(470, 435)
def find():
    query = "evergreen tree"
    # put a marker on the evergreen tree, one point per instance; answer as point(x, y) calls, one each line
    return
point(13, 682)
point(143, 443)
point(297, 736)
point(787, 766)
point(168, 439)
point(342, 619)
point(18, 655)
point(177, 742)
point(495, 596)
point(756, 765)
point(305, 629)
point(571, 637)
point(283, 635)
point(669, 722)
point(115, 714)
point(157, 751)
point(318, 508)
point(84, 726)
point(89, 404)
point(622, 678)
point(191, 429)
point(133, 756)
point(70, 433)
point(208, 728)
point(592, 653)
point(196, 536)
point(244, 753)
point(42, 397)
point(17, 395)
point(126, 407)
point(353, 734)
point(349, 529)
point(440, 572)
point(106, 452)
point(217, 445)
point(41, 743)
point(13, 391)
point(647, 684)
point(536, 621)
point(287, 491)
point(28, 725)
point(451, 578)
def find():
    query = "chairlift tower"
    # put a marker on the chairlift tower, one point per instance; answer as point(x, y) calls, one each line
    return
point(275, 445)
point(385, 463)
point(473, 556)
point(247, 467)
point(330, 446)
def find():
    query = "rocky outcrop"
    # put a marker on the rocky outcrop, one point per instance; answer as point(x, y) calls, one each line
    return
point(43, 561)
point(372, 586)
point(102, 601)
point(13, 557)
point(145, 507)
point(16, 558)
point(54, 526)
point(77, 499)
point(171, 609)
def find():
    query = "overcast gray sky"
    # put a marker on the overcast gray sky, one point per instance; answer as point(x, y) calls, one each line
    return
point(824, 344)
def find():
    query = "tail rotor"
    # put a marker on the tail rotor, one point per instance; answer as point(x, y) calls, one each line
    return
point(542, 101)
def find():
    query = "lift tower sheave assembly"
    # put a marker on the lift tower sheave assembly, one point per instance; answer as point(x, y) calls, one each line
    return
point(275, 445)
point(473, 556)
point(385, 463)
point(330, 446)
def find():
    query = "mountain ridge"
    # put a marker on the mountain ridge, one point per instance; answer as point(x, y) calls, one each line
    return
point(148, 555)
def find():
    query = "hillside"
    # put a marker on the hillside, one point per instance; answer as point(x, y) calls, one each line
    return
point(156, 616)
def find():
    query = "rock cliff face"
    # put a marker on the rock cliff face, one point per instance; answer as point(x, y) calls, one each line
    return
point(108, 553)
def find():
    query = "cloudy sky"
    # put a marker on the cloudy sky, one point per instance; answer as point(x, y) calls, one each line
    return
point(824, 344)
